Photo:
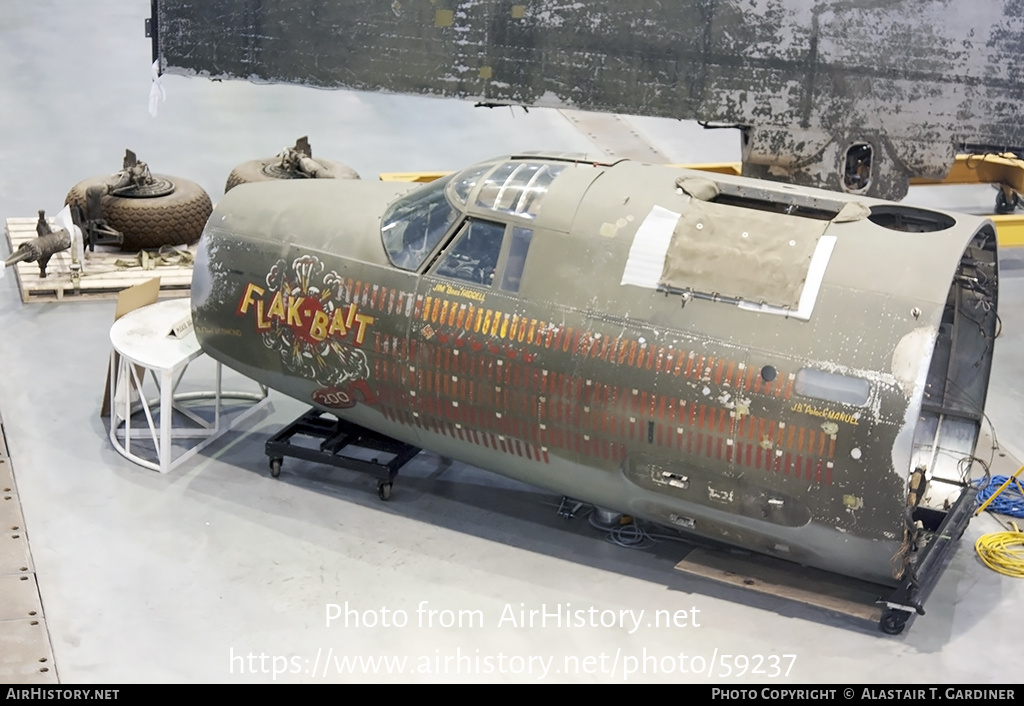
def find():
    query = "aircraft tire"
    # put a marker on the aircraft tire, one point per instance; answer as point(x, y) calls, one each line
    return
point(253, 170)
point(176, 218)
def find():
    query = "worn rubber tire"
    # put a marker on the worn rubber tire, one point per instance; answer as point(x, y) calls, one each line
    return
point(176, 218)
point(248, 172)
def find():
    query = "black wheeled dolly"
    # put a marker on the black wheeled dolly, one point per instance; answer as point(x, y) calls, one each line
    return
point(908, 598)
point(335, 436)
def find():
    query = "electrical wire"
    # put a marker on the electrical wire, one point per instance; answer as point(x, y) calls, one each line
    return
point(966, 465)
point(1009, 502)
point(1003, 552)
point(631, 536)
point(631, 533)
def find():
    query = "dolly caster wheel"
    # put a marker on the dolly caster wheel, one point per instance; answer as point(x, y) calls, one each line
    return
point(384, 490)
point(893, 621)
point(1006, 203)
point(275, 467)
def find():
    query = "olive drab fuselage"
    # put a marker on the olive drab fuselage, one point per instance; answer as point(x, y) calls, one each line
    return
point(747, 362)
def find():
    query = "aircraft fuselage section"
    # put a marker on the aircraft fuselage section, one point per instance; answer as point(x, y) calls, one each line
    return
point(776, 379)
point(680, 430)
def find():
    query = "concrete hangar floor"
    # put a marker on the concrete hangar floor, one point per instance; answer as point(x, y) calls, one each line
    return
point(218, 573)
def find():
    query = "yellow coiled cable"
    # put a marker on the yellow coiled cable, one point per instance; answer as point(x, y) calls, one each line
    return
point(1003, 551)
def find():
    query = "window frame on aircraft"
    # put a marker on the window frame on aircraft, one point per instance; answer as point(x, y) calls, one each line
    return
point(517, 187)
point(428, 211)
point(461, 261)
point(515, 260)
point(420, 225)
point(464, 183)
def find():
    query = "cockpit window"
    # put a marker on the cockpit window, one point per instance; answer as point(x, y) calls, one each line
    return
point(465, 181)
point(414, 224)
point(516, 262)
point(473, 254)
point(518, 187)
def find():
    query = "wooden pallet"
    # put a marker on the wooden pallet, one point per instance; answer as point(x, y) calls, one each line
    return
point(101, 275)
point(776, 577)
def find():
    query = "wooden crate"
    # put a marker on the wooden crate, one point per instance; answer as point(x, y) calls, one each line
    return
point(101, 275)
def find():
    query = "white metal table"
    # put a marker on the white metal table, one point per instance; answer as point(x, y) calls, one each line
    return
point(141, 344)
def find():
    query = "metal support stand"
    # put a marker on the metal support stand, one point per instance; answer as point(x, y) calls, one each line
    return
point(336, 435)
point(141, 348)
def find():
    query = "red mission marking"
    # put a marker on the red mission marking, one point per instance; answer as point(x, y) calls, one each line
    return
point(698, 368)
point(680, 359)
point(669, 356)
point(620, 356)
point(566, 408)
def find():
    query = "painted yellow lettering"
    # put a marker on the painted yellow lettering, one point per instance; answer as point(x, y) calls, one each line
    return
point(276, 310)
point(363, 321)
point(249, 298)
point(294, 319)
point(261, 323)
point(318, 326)
point(338, 326)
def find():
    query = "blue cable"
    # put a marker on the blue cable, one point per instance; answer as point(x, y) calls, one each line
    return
point(1010, 502)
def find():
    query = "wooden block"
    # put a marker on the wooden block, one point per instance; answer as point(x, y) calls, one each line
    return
point(785, 579)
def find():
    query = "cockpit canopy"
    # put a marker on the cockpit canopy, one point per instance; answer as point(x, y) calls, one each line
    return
point(416, 223)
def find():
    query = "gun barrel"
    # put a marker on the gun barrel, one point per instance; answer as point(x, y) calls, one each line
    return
point(22, 254)
point(43, 247)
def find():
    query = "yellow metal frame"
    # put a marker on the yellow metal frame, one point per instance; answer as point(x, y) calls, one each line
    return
point(412, 177)
point(1009, 230)
point(1005, 170)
